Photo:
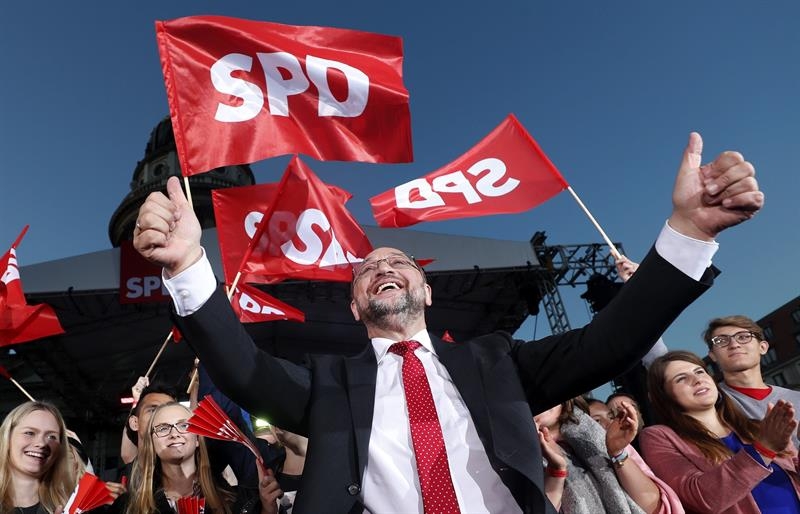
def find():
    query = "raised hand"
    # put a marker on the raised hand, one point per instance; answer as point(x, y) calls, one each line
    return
point(167, 232)
point(268, 491)
point(622, 430)
point(551, 451)
point(625, 267)
point(778, 426)
point(709, 198)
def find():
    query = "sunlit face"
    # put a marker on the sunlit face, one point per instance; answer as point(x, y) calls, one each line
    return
point(388, 284)
point(35, 443)
point(146, 407)
point(600, 413)
point(175, 447)
point(690, 386)
point(549, 418)
point(737, 356)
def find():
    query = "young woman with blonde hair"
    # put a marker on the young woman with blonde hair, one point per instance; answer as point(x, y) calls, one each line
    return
point(35, 472)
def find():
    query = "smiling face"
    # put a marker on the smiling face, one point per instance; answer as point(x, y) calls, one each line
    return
point(390, 292)
point(175, 447)
point(35, 443)
point(690, 386)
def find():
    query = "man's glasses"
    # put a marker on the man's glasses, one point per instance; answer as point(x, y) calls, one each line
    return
point(742, 337)
point(396, 262)
point(164, 429)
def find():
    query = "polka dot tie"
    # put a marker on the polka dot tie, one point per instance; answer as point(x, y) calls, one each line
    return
point(438, 494)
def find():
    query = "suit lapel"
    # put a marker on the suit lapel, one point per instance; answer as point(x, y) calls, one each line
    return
point(460, 363)
point(362, 370)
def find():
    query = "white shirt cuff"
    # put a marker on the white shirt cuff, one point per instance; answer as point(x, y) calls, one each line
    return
point(691, 256)
point(192, 287)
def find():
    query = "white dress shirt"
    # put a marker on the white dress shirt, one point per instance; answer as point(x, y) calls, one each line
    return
point(390, 481)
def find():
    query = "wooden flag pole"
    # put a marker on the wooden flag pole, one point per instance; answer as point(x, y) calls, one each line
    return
point(614, 250)
point(22, 389)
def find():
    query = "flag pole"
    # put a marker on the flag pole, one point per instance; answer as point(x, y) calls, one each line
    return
point(188, 192)
point(614, 252)
point(5, 373)
point(158, 355)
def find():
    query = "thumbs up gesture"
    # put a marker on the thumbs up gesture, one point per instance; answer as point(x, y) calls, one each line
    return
point(709, 198)
point(167, 232)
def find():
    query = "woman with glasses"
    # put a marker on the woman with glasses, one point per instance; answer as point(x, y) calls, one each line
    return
point(173, 463)
point(715, 458)
point(35, 472)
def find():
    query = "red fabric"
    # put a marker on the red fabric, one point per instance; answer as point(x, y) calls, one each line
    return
point(240, 91)
point(20, 322)
point(253, 306)
point(89, 493)
point(438, 493)
point(504, 173)
point(753, 392)
point(238, 212)
point(310, 235)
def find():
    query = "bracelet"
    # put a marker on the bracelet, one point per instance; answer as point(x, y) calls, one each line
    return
point(764, 451)
point(619, 459)
point(556, 473)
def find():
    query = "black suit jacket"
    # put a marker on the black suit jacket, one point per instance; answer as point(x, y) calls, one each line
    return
point(503, 383)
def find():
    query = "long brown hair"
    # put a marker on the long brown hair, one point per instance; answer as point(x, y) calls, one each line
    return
point(57, 482)
point(146, 476)
point(687, 427)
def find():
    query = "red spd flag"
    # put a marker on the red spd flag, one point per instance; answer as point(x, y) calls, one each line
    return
point(238, 212)
point(253, 305)
point(20, 322)
point(240, 91)
point(504, 173)
point(309, 233)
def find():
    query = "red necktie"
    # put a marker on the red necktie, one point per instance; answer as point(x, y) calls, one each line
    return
point(438, 494)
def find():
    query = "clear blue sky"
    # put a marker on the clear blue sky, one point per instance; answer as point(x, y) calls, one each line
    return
point(610, 90)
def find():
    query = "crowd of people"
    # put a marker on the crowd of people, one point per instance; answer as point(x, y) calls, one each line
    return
point(415, 424)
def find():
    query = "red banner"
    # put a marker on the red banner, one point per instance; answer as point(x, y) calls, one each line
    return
point(253, 305)
point(238, 212)
point(240, 91)
point(139, 279)
point(504, 173)
point(310, 233)
point(20, 322)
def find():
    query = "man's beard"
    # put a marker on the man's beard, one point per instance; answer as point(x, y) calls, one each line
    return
point(393, 314)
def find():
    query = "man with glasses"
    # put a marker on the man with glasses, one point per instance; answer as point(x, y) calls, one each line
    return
point(736, 344)
point(415, 424)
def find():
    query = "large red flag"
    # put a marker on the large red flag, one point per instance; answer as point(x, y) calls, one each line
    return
point(253, 305)
point(238, 212)
point(241, 91)
point(20, 322)
point(506, 172)
point(310, 234)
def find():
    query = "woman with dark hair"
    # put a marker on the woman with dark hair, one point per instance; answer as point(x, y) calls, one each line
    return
point(173, 463)
point(35, 473)
point(594, 471)
point(714, 457)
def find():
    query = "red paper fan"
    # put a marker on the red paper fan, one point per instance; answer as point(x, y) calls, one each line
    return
point(210, 420)
point(90, 493)
point(191, 505)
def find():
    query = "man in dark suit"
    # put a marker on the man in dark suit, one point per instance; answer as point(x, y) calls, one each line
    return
point(361, 454)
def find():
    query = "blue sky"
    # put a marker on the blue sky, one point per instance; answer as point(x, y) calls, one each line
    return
point(610, 90)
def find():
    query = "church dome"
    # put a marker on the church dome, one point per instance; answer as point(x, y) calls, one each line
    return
point(151, 173)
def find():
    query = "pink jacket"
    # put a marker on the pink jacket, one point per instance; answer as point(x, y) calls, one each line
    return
point(702, 486)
